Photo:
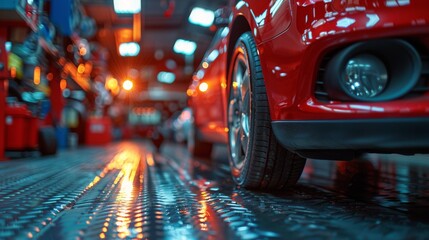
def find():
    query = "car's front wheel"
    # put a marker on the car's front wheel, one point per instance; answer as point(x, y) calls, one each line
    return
point(257, 159)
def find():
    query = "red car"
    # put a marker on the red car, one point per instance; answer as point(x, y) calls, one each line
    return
point(288, 80)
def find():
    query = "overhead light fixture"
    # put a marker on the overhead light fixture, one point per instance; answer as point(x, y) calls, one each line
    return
point(203, 87)
point(166, 77)
point(184, 47)
point(202, 17)
point(127, 85)
point(129, 49)
point(127, 6)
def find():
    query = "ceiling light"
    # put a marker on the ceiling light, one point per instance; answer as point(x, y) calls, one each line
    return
point(129, 49)
point(184, 46)
point(127, 6)
point(127, 85)
point(166, 77)
point(203, 87)
point(202, 17)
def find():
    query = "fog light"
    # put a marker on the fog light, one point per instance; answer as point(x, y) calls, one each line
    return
point(365, 76)
point(372, 71)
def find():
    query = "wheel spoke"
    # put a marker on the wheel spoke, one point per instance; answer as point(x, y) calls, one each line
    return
point(239, 111)
point(244, 142)
point(237, 148)
point(245, 114)
point(245, 82)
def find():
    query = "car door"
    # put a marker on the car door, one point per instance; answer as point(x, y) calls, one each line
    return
point(210, 113)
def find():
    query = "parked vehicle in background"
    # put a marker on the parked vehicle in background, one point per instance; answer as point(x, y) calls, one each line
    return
point(288, 80)
point(181, 125)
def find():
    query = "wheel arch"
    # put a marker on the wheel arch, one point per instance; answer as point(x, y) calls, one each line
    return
point(239, 26)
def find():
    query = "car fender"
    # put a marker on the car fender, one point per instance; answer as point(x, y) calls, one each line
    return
point(266, 18)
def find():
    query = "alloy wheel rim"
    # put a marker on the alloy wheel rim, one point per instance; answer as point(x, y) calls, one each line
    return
point(239, 110)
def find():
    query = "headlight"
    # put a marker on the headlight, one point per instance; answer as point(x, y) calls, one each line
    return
point(365, 76)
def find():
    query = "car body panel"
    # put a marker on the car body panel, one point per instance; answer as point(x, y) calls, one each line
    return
point(210, 119)
point(314, 34)
point(267, 18)
point(291, 52)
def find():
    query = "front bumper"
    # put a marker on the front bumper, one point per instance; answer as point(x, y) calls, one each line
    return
point(366, 135)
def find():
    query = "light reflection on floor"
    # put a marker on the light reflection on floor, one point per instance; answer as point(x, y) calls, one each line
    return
point(130, 191)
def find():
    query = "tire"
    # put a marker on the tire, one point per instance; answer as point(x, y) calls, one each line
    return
point(257, 159)
point(197, 147)
point(47, 141)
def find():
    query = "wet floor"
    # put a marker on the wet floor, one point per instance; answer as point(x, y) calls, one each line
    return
point(129, 191)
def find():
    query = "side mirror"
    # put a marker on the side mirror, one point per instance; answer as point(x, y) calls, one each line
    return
point(222, 17)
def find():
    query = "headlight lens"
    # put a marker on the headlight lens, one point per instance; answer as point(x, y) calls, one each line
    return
point(365, 76)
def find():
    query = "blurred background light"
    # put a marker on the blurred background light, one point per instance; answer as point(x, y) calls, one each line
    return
point(129, 49)
point(8, 46)
point(203, 87)
point(213, 55)
point(184, 47)
point(36, 75)
point(127, 6)
point(201, 17)
point(127, 85)
point(166, 77)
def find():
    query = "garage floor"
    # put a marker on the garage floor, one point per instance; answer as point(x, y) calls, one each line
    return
point(127, 190)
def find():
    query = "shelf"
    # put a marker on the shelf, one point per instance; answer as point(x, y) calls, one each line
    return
point(29, 22)
point(46, 45)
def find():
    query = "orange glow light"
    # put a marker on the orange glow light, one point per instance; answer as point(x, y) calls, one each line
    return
point(189, 92)
point(205, 65)
point(82, 51)
point(50, 76)
point(127, 85)
point(149, 159)
point(111, 84)
point(37, 75)
point(203, 87)
point(137, 25)
point(81, 68)
point(63, 84)
point(123, 35)
point(13, 72)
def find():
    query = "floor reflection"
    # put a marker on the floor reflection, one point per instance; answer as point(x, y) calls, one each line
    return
point(131, 191)
point(384, 194)
point(394, 181)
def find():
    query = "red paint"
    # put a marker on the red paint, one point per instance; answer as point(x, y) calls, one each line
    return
point(98, 131)
point(291, 97)
point(291, 43)
point(56, 96)
point(21, 128)
point(4, 75)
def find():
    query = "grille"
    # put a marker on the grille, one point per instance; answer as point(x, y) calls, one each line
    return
point(320, 92)
point(422, 85)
